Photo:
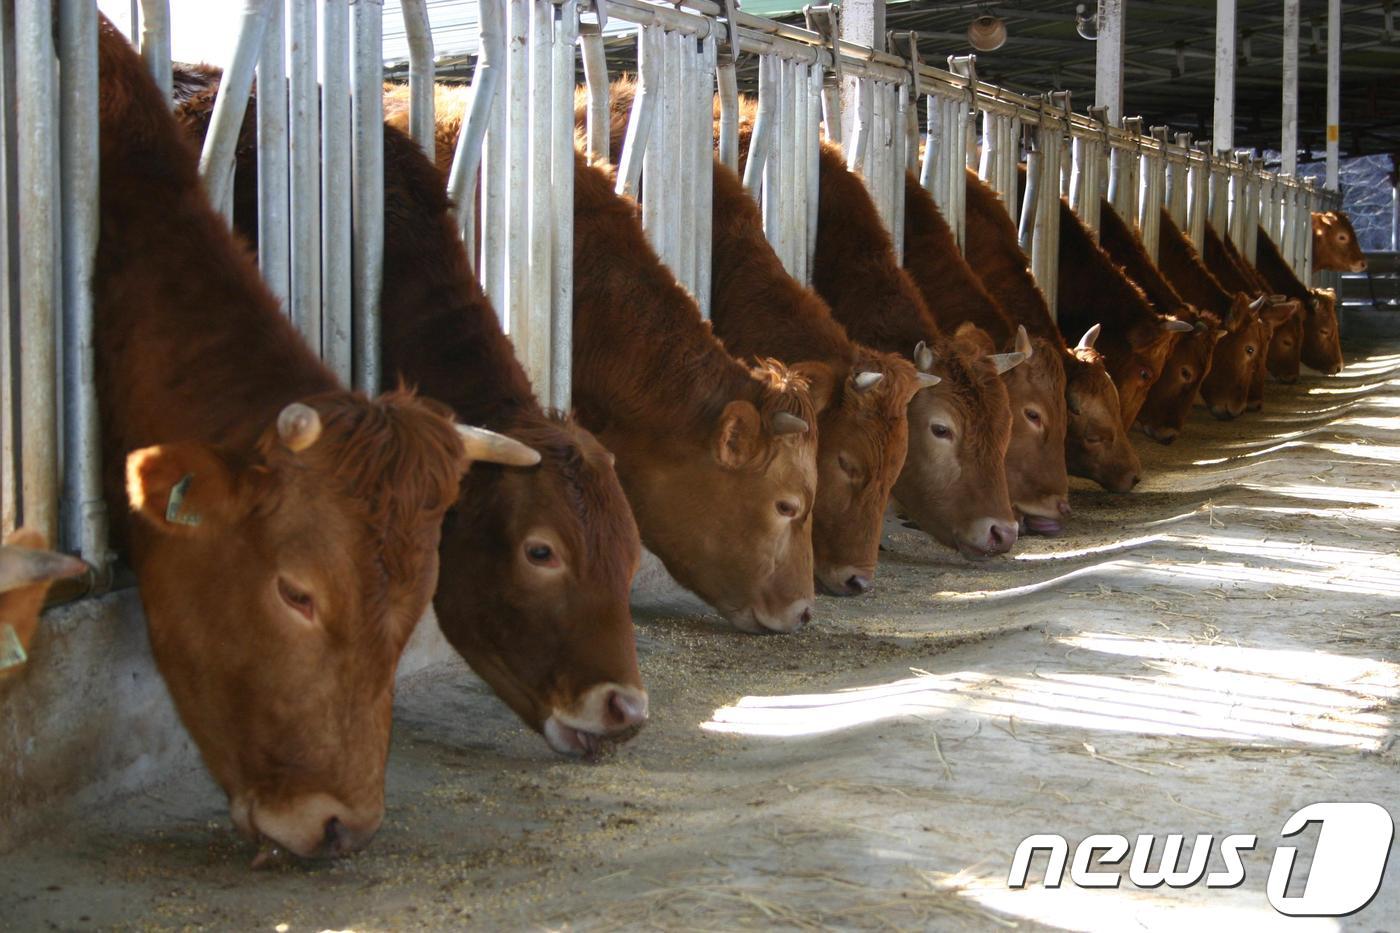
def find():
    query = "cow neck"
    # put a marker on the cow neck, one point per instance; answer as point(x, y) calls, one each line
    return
point(951, 290)
point(440, 332)
point(1246, 267)
point(1226, 270)
point(993, 251)
point(1126, 248)
point(1093, 289)
point(643, 357)
point(758, 309)
point(854, 267)
point(190, 342)
point(1276, 272)
point(1187, 271)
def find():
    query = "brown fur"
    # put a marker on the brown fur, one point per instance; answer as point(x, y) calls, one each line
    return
point(540, 638)
point(1096, 444)
point(1321, 343)
point(1035, 459)
point(194, 362)
point(1285, 341)
point(1335, 247)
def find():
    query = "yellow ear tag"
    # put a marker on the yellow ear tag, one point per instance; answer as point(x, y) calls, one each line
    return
point(11, 651)
point(173, 513)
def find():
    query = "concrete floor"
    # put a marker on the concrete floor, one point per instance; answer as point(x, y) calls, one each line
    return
point(1206, 655)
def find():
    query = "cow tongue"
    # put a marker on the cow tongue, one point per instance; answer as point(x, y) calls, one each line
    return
point(1040, 525)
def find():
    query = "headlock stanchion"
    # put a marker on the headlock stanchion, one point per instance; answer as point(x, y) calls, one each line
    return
point(319, 67)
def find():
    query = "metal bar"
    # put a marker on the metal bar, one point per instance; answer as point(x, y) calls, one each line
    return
point(644, 103)
point(705, 166)
point(419, 33)
point(37, 115)
point(671, 148)
point(517, 164)
point(860, 133)
point(899, 160)
point(1289, 145)
point(1108, 54)
point(815, 104)
point(336, 301)
point(687, 128)
point(468, 155)
point(216, 160)
point(728, 115)
point(84, 510)
point(930, 176)
point(1224, 126)
point(1201, 181)
point(274, 172)
point(304, 190)
point(771, 197)
point(787, 167)
point(10, 385)
point(1030, 205)
point(155, 42)
point(561, 312)
point(1334, 84)
point(595, 78)
point(533, 335)
point(367, 172)
point(762, 128)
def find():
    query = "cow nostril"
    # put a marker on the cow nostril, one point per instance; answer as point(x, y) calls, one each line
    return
point(336, 840)
point(1001, 537)
point(1064, 507)
point(858, 584)
point(804, 618)
point(624, 710)
point(1136, 479)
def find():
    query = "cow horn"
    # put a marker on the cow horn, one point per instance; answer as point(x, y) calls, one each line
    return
point(1005, 362)
point(490, 447)
point(866, 381)
point(1090, 337)
point(1177, 327)
point(928, 381)
point(784, 423)
point(1258, 303)
point(923, 356)
point(299, 426)
point(21, 566)
point(1023, 341)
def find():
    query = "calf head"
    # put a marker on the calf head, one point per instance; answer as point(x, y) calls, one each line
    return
point(281, 582)
point(1036, 478)
point(1322, 345)
point(1335, 248)
point(861, 446)
point(1236, 361)
point(1172, 395)
point(1096, 444)
point(954, 480)
point(1136, 359)
point(1286, 344)
point(552, 632)
point(26, 572)
point(729, 510)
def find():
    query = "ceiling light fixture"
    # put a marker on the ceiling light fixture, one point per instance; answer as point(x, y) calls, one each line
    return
point(987, 33)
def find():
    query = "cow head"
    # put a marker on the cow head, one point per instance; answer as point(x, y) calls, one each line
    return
point(1237, 359)
point(1286, 344)
point(1036, 478)
point(1322, 345)
point(26, 572)
point(551, 631)
point(1136, 358)
point(1172, 395)
point(1335, 247)
point(281, 582)
point(729, 511)
point(861, 446)
point(954, 480)
point(1096, 444)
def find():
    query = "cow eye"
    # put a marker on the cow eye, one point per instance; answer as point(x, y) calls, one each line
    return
point(297, 598)
point(1074, 408)
point(1032, 416)
point(1186, 374)
point(1342, 238)
point(1249, 351)
point(541, 554)
point(1144, 374)
point(941, 431)
point(787, 508)
point(848, 466)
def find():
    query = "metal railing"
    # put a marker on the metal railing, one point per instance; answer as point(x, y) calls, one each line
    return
point(321, 178)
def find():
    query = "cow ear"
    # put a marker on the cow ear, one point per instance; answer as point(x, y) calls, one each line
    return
point(182, 488)
point(737, 438)
point(970, 333)
point(821, 382)
point(1279, 314)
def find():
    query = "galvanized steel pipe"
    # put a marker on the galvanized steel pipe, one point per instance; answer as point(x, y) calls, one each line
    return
point(226, 122)
point(367, 173)
point(274, 183)
point(419, 33)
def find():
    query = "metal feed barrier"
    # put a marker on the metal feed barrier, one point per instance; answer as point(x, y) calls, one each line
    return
point(321, 177)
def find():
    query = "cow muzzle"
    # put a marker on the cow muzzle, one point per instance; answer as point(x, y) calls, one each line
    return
point(605, 716)
point(986, 537)
point(760, 621)
point(314, 826)
point(847, 581)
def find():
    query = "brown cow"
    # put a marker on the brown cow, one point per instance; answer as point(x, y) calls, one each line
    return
point(267, 499)
point(1096, 444)
point(1234, 360)
point(1169, 400)
point(536, 564)
point(1335, 247)
point(1321, 341)
point(26, 572)
point(718, 460)
point(863, 435)
point(1282, 318)
point(1134, 338)
point(1036, 477)
point(954, 480)
point(758, 310)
